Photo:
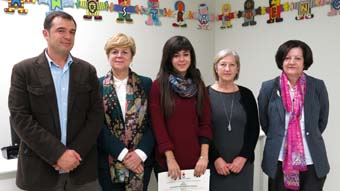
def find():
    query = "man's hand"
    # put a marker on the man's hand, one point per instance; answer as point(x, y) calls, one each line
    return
point(68, 161)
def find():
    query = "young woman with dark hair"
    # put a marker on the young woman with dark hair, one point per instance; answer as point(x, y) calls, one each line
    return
point(180, 111)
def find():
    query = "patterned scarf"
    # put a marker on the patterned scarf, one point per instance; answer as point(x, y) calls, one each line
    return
point(294, 159)
point(183, 87)
point(129, 132)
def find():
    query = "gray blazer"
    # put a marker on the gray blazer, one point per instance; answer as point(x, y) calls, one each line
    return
point(272, 119)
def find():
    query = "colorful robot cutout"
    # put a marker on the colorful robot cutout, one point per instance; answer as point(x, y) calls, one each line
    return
point(249, 13)
point(304, 8)
point(275, 9)
point(203, 16)
point(56, 5)
point(18, 5)
point(179, 12)
point(226, 16)
point(335, 8)
point(93, 7)
point(154, 12)
point(124, 10)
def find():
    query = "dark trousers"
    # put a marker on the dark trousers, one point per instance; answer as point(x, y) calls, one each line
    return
point(64, 184)
point(107, 184)
point(308, 180)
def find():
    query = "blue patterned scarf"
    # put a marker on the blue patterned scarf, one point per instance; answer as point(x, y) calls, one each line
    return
point(183, 87)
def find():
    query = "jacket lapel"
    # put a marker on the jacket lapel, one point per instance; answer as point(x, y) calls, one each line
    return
point(75, 74)
point(308, 101)
point(278, 100)
point(45, 77)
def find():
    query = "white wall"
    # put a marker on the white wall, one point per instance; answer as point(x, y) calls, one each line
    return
point(257, 46)
point(21, 37)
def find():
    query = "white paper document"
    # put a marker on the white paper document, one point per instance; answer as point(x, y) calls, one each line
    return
point(188, 182)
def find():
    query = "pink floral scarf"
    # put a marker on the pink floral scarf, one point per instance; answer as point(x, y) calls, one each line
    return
point(294, 159)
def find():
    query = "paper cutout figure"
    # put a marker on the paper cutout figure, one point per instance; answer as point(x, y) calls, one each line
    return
point(275, 9)
point(335, 8)
point(124, 10)
point(93, 7)
point(154, 12)
point(304, 8)
point(249, 13)
point(179, 12)
point(203, 16)
point(167, 12)
point(56, 5)
point(18, 5)
point(226, 16)
point(191, 15)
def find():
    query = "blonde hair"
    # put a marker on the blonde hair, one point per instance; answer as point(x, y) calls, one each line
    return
point(120, 40)
point(226, 6)
point(223, 53)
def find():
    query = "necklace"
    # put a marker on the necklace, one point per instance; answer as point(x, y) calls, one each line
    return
point(231, 109)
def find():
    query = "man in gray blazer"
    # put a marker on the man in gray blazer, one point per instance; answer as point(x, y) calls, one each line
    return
point(56, 110)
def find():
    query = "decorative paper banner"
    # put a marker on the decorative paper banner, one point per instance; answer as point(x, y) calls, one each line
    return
point(92, 8)
point(226, 16)
point(249, 13)
point(274, 10)
point(56, 5)
point(304, 8)
point(154, 12)
point(335, 8)
point(167, 12)
point(18, 5)
point(179, 12)
point(203, 16)
point(124, 10)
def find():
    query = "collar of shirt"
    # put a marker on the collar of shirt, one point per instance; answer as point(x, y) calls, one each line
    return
point(120, 83)
point(51, 63)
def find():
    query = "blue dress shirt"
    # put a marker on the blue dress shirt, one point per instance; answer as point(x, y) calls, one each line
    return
point(61, 78)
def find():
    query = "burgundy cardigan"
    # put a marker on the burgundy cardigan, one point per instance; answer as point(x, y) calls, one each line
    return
point(182, 131)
